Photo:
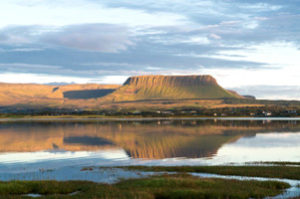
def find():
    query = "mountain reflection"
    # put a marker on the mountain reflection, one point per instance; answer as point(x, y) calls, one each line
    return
point(151, 139)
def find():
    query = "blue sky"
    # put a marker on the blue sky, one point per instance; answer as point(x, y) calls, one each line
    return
point(250, 46)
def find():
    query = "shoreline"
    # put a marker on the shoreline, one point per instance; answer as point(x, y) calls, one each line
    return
point(284, 186)
point(101, 118)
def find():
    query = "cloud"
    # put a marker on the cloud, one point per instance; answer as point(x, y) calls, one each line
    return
point(95, 39)
point(25, 68)
point(39, 78)
point(270, 92)
point(92, 37)
point(16, 35)
point(65, 12)
point(273, 54)
point(24, 50)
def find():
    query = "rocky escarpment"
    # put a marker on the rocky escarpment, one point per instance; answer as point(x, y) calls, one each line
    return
point(160, 80)
point(171, 87)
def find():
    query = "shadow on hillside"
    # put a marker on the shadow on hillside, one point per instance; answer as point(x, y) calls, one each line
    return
point(88, 141)
point(87, 94)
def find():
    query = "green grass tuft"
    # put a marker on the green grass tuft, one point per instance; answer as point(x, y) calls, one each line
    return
point(179, 186)
point(287, 172)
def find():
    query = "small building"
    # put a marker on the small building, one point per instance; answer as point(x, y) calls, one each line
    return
point(267, 113)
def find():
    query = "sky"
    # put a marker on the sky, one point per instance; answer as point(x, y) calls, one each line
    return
point(251, 46)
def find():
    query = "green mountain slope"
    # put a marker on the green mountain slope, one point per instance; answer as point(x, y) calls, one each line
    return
point(170, 87)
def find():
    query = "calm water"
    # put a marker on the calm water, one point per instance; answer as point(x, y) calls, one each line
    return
point(59, 150)
point(147, 142)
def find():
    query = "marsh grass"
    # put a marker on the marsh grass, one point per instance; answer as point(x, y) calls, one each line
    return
point(276, 163)
point(179, 186)
point(286, 172)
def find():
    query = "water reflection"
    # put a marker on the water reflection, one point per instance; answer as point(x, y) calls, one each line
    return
point(233, 141)
point(263, 147)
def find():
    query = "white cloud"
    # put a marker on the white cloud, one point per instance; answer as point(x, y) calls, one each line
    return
point(215, 36)
point(281, 65)
point(251, 25)
point(23, 50)
point(65, 12)
point(239, 43)
point(197, 40)
point(92, 37)
point(278, 92)
point(112, 79)
point(275, 54)
point(45, 79)
point(30, 66)
point(242, 77)
point(39, 78)
point(260, 7)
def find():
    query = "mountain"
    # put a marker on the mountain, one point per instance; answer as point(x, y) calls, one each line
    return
point(139, 92)
point(152, 87)
point(11, 94)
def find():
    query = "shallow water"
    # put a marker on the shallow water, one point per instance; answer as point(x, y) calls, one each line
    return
point(292, 192)
point(59, 149)
point(113, 175)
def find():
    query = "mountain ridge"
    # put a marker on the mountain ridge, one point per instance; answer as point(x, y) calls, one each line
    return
point(170, 87)
point(147, 88)
point(179, 79)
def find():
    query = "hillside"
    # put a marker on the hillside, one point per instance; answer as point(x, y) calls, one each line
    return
point(11, 94)
point(170, 87)
point(137, 93)
point(134, 89)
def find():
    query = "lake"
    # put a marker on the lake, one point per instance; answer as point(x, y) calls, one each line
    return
point(45, 145)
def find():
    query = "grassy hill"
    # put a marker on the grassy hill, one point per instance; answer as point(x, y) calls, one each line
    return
point(134, 89)
point(11, 94)
point(170, 87)
point(141, 93)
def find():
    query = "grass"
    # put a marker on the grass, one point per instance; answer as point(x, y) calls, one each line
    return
point(251, 171)
point(277, 163)
point(157, 187)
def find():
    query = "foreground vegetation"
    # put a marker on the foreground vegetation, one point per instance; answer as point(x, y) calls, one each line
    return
point(158, 187)
point(284, 172)
point(276, 163)
point(226, 107)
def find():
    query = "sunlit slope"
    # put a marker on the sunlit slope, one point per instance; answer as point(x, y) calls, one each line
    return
point(11, 94)
point(170, 87)
point(145, 89)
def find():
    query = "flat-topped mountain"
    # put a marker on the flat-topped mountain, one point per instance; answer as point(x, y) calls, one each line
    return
point(145, 89)
point(171, 87)
point(159, 80)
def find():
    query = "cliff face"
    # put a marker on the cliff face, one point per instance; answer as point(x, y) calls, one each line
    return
point(171, 87)
point(159, 80)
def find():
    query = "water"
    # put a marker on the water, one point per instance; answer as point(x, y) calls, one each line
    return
point(292, 192)
point(157, 142)
point(59, 149)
